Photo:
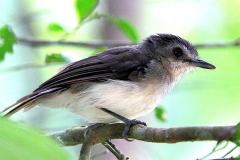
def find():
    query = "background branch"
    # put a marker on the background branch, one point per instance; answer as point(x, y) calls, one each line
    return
point(44, 43)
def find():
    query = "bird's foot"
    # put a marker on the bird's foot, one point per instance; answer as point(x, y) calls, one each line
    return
point(128, 122)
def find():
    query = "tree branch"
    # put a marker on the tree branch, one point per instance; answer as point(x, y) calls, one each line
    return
point(233, 43)
point(44, 43)
point(85, 151)
point(110, 44)
point(111, 147)
point(75, 135)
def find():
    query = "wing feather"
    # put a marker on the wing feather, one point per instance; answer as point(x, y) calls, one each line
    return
point(117, 63)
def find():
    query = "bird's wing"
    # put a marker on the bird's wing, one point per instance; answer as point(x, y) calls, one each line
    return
point(119, 63)
point(122, 63)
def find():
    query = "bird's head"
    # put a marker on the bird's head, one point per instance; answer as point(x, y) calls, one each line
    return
point(177, 55)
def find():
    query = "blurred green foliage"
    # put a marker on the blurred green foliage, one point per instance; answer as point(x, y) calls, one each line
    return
point(237, 135)
point(56, 57)
point(84, 8)
point(126, 27)
point(160, 113)
point(19, 142)
point(55, 27)
point(8, 40)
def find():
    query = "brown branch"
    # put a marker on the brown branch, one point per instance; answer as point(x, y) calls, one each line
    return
point(219, 44)
point(85, 151)
point(45, 43)
point(110, 44)
point(75, 135)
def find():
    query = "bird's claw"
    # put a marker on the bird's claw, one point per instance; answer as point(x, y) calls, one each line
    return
point(128, 125)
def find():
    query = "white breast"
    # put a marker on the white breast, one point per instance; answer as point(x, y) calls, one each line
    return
point(126, 98)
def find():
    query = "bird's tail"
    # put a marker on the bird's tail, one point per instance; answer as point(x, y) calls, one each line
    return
point(27, 102)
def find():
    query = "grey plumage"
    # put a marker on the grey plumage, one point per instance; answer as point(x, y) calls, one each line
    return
point(128, 80)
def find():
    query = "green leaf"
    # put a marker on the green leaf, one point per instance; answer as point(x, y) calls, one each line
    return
point(18, 142)
point(8, 39)
point(236, 135)
point(126, 27)
point(56, 57)
point(84, 8)
point(55, 27)
point(160, 113)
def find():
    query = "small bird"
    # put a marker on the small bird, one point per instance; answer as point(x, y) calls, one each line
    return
point(119, 84)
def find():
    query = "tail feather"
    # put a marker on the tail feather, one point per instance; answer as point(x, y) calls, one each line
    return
point(19, 105)
point(28, 101)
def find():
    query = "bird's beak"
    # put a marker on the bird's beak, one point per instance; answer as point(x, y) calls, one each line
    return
point(203, 64)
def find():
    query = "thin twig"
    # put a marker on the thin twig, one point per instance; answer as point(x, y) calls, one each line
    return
point(215, 150)
point(219, 44)
point(115, 151)
point(44, 43)
point(230, 151)
point(29, 66)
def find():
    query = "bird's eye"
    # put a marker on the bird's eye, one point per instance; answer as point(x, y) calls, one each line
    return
point(177, 52)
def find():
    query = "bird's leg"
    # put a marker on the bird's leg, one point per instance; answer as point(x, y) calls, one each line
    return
point(128, 122)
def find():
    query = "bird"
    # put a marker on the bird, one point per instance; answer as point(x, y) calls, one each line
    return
point(118, 84)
